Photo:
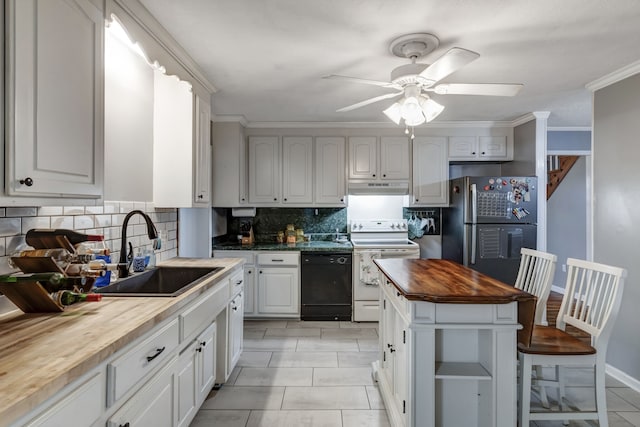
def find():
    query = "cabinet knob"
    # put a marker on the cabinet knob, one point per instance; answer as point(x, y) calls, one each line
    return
point(242, 199)
point(275, 199)
point(285, 199)
point(200, 196)
point(124, 425)
point(203, 343)
point(391, 350)
point(473, 152)
point(199, 349)
point(249, 272)
point(234, 308)
point(384, 175)
point(342, 200)
point(482, 153)
point(260, 272)
point(374, 175)
point(27, 181)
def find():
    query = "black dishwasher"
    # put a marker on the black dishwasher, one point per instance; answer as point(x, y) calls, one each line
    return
point(326, 290)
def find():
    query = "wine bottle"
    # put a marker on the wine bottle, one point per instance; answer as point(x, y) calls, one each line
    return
point(85, 270)
point(34, 235)
point(68, 297)
point(53, 278)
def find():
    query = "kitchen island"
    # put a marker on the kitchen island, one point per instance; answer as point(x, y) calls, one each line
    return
point(69, 364)
point(448, 338)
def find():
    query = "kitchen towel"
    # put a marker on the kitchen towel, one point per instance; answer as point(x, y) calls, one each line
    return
point(369, 273)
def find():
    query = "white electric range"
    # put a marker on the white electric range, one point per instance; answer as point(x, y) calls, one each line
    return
point(375, 239)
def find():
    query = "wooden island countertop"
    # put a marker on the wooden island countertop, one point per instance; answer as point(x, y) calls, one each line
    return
point(444, 281)
point(447, 282)
point(40, 353)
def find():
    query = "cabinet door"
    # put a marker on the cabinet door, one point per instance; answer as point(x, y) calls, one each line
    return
point(330, 170)
point(236, 330)
point(264, 169)
point(400, 363)
point(249, 289)
point(152, 405)
point(394, 158)
point(430, 172)
point(228, 167)
point(463, 148)
point(186, 374)
point(278, 290)
point(363, 160)
point(202, 151)
point(388, 337)
point(206, 363)
point(297, 170)
point(54, 101)
point(494, 147)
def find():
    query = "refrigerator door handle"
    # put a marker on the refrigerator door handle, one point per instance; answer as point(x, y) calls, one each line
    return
point(474, 241)
point(474, 204)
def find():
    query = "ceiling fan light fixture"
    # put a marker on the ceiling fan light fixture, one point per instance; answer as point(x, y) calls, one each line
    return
point(430, 108)
point(393, 112)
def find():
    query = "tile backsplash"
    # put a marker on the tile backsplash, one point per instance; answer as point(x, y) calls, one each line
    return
point(104, 219)
point(318, 222)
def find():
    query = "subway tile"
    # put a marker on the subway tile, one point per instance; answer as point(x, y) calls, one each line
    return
point(10, 226)
point(29, 223)
point(82, 222)
point(13, 244)
point(102, 220)
point(62, 222)
point(19, 212)
point(117, 219)
point(3, 212)
point(50, 211)
point(111, 207)
point(149, 207)
point(96, 210)
point(141, 206)
point(126, 207)
point(139, 229)
point(73, 210)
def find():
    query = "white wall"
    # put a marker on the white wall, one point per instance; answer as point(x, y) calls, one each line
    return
point(616, 150)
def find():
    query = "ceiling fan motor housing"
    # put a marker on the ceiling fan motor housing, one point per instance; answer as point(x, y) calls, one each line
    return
point(410, 74)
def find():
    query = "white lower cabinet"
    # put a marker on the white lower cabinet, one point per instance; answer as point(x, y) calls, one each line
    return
point(236, 328)
point(446, 364)
point(153, 405)
point(278, 291)
point(195, 375)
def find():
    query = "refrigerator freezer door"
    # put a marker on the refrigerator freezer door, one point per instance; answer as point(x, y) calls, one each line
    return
point(498, 248)
point(509, 199)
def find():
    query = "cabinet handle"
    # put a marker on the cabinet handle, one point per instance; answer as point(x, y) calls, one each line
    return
point(397, 294)
point(277, 260)
point(124, 425)
point(27, 181)
point(158, 352)
point(239, 282)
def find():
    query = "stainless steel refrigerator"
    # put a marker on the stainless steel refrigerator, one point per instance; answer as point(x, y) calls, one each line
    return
point(490, 218)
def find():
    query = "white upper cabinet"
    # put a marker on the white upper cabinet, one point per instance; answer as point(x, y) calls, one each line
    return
point(394, 157)
point(371, 160)
point(228, 167)
point(430, 172)
point(54, 98)
point(363, 157)
point(330, 171)
point(264, 169)
point(479, 148)
point(280, 174)
point(297, 165)
point(181, 145)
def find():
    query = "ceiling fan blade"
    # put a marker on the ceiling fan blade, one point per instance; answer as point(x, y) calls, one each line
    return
point(368, 101)
point(453, 60)
point(490, 89)
point(364, 81)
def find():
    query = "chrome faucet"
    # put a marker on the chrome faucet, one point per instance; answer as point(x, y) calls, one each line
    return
point(125, 261)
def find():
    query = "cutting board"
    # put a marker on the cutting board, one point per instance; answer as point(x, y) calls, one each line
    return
point(30, 297)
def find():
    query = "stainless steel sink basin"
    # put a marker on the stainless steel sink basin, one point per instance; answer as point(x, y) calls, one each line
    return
point(158, 282)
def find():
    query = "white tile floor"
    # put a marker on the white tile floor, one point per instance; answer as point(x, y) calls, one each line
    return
point(318, 374)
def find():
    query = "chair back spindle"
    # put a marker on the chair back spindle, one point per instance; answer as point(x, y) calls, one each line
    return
point(535, 275)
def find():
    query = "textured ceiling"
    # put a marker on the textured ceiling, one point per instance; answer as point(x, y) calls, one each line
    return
point(267, 57)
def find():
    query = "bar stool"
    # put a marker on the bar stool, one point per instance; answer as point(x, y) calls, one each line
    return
point(591, 301)
point(535, 276)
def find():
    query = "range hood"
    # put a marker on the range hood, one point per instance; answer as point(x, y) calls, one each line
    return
point(382, 188)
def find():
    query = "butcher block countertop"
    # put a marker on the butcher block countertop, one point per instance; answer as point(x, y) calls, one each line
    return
point(444, 281)
point(447, 282)
point(40, 353)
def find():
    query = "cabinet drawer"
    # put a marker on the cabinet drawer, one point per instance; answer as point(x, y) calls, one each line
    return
point(366, 311)
point(196, 318)
point(81, 408)
point(236, 283)
point(128, 369)
point(278, 259)
point(246, 255)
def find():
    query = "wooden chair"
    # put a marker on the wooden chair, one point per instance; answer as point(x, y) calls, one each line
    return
point(534, 276)
point(593, 293)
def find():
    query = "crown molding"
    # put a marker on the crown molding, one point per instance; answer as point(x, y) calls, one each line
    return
point(616, 76)
point(569, 128)
point(523, 119)
point(374, 125)
point(230, 119)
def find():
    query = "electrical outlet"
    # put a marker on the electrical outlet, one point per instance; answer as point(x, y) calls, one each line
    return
point(564, 268)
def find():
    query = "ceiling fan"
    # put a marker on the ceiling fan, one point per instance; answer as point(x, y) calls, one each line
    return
point(414, 81)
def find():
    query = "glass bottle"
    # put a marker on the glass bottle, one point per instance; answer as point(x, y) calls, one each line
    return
point(73, 236)
point(62, 257)
point(68, 297)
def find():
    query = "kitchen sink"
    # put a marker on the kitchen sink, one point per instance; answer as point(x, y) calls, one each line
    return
point(158, 282)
